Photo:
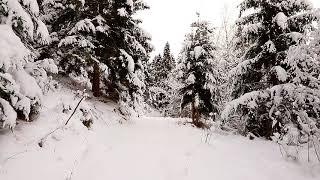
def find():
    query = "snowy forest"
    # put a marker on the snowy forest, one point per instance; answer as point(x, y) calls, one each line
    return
point(84, 94)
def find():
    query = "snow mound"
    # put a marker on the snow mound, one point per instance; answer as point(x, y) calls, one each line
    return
point(281, 73)
point(12, 51)
point(281, 20)
point(129, 60)
point(8, 115)
point(28, 85)
point(198, 51)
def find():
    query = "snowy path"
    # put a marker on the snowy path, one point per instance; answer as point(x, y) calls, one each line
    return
point(153, 149)
point(159, 149)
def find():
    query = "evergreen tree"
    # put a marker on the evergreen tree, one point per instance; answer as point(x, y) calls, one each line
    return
point(157, 93)
point(159, 84)
point(155, 70)
point(263, 89)
point(22, 78)
point(168, 60)
point(77, 28)
point(100, 40)
point(197, 72)
point(161, 66)
point(128, 48)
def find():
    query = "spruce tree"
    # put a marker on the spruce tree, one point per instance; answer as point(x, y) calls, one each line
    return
point(101, 42)
point(77, 27)
point(161, 66)
point(159, 88)
point(262, 84)
point(197, 72)
point(155, 69)
point(23, 75)
point(126, 51)
point(168, 60)
point(157, 94)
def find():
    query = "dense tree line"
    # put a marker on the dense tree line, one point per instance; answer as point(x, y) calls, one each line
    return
point(264, 83)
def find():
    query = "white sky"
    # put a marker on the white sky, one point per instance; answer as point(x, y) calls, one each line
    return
point(169, 20)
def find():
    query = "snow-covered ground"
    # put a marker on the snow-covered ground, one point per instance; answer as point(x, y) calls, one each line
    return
point(148, 148)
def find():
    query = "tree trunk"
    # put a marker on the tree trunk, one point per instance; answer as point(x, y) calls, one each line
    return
point(96, 80)
point(193, 112)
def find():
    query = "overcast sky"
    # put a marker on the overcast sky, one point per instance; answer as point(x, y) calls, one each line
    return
point(169, 20)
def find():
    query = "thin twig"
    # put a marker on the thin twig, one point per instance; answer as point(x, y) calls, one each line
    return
point(60, 127)
point(286, 153)
point(308, 148)
point(74, 111)
point(208, 137)
point(281, 150)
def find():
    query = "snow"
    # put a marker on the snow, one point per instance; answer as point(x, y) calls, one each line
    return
point(198, 51)
point(130, 3)
point(83, 25)
point(25, 13)
point(32, 4)
point(68, 41)
point(242, 67)
point(100, 20)
point(233, 105)
point(12, 51)
point(82, 80)
point(9, 115)
point(197, 101)
point(281, 73)
point(300, 3)
point(15, 10)
point(85, 43)
point(129, 59)
point(48, 65)
point(270, 47)
point(281, 20)
point(10, 85)
point(82, 2)
point(24, 105)
point(122, 12)
point(137, 81)
point(28, 85)
point(295, 36)
point(43, 33)
point(252, 28)
point(136, 45)
point(142, 149)
point(191, 79)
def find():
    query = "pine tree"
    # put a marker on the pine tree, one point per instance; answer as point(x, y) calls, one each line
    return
point(22, 78)
point(197, 72)
point(262, 85)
